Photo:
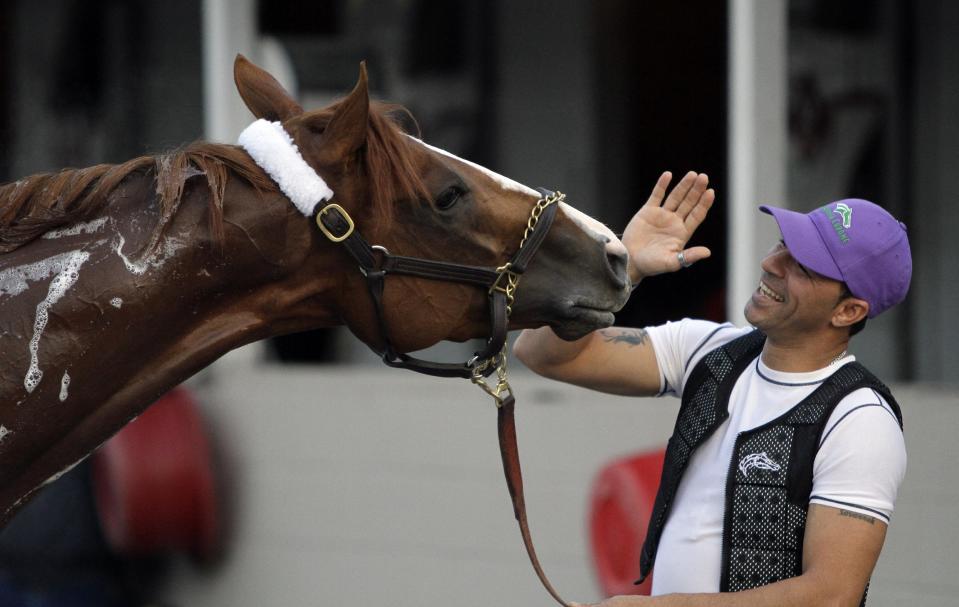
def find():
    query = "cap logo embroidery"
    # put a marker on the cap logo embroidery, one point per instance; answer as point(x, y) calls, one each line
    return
point(846, 214)
point(759, 461)
point(840, 223)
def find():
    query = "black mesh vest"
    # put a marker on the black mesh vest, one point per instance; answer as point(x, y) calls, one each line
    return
point(770, 474)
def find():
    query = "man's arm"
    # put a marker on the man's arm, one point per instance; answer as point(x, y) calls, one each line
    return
point(614, 360)
point(618, 360)
point(840, 550)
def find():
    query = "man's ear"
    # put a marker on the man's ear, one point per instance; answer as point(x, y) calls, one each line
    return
point(261, 92)
point(345, 132)
point(849, 311)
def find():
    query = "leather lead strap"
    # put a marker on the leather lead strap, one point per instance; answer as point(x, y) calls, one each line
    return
point(376, 265)
point(506, 425)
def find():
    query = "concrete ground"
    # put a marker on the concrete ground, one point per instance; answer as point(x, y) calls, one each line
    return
point(362, 485)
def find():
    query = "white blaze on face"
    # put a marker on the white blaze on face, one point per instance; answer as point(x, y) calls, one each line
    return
point(584, 221)
point(504, 182)
point(591, 226)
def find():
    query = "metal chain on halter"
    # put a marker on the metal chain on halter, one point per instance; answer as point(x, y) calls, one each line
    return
point(502, 389)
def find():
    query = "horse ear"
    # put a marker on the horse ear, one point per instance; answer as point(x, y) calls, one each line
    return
point(345, 132)
point(260, 91)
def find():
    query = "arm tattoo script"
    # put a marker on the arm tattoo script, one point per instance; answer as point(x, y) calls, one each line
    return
point(862, 517)
point(630, 337)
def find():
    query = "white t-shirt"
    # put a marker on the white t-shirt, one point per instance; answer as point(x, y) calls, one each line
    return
point(859, 466)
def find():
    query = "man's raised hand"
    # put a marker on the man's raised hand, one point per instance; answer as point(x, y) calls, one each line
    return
point(661, 228)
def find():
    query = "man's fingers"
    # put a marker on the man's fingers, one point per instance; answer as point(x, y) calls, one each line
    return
point(679, 192)
point(695, 254)
point(692, 255)
point(698, 212)
point(693, 196)
point(659, 190)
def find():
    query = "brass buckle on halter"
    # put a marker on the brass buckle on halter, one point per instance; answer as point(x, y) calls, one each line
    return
point(504, 271)
point(323, 228)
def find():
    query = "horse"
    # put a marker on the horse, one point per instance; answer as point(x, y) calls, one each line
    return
point(118, 282)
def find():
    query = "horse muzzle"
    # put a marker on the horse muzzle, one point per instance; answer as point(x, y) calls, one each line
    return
point(575, 289)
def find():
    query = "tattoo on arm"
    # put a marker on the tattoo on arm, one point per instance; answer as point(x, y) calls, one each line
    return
point(862, 517)
point(630, 337)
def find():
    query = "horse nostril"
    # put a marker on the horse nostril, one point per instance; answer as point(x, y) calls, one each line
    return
point(616, 261)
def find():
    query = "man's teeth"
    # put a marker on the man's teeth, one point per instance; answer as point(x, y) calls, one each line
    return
point(769, 292)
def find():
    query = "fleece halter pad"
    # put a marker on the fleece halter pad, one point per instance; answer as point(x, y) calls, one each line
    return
point(272, 148)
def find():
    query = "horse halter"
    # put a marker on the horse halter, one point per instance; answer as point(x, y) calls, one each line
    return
point(375, 262)
point(272, 148)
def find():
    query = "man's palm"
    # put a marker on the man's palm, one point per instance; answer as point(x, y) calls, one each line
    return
point(660, 229)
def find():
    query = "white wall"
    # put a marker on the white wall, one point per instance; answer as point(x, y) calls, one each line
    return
point(376, 486)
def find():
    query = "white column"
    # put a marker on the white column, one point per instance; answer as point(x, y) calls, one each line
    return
point(229, 27)
point(757, 139)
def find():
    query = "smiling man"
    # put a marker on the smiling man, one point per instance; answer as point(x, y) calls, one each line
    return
point(782, 472)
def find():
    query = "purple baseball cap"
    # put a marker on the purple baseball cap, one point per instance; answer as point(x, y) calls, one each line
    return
point(854, 241)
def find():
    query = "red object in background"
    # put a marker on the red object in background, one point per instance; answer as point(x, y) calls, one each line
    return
point(620, 507)
point(154, 482)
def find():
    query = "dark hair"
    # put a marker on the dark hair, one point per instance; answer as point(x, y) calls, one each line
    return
point(859, 325)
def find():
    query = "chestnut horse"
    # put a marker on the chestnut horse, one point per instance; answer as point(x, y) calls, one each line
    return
point(118, 282)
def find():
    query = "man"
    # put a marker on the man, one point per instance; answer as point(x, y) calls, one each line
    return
point(782, 472)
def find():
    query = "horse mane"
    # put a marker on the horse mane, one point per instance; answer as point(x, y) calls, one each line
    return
point(37, 204)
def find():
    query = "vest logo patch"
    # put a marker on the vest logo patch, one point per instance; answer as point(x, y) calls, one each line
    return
point(759, 461)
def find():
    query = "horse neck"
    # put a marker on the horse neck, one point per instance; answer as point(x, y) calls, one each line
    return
point(104, 331)
point(263, 278)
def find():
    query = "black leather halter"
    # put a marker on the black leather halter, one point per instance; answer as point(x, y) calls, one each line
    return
point(376, 262)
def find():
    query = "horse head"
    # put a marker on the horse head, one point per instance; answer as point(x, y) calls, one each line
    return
point(419, 201)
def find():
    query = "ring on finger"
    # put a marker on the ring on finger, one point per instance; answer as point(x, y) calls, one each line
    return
point(682, 259)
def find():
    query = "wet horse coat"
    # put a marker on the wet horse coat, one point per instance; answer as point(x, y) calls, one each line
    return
point(118, 282)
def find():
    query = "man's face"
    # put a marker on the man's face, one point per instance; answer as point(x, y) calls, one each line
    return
point(791, 299)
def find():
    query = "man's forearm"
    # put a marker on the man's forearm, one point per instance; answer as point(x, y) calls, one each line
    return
point(788, 593)
point(540, 349)
point(801, 591)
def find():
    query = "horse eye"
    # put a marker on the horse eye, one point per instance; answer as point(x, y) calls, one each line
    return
point(449, 197)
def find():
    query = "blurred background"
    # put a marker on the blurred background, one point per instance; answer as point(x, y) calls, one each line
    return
point(327, 488)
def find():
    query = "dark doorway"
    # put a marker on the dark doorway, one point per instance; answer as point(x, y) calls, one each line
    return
point(661, 82)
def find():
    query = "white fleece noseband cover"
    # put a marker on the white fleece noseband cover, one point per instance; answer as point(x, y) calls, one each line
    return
point(272, 148)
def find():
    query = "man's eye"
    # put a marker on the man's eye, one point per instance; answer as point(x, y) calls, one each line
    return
point(782, 245)
point(804, 270)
